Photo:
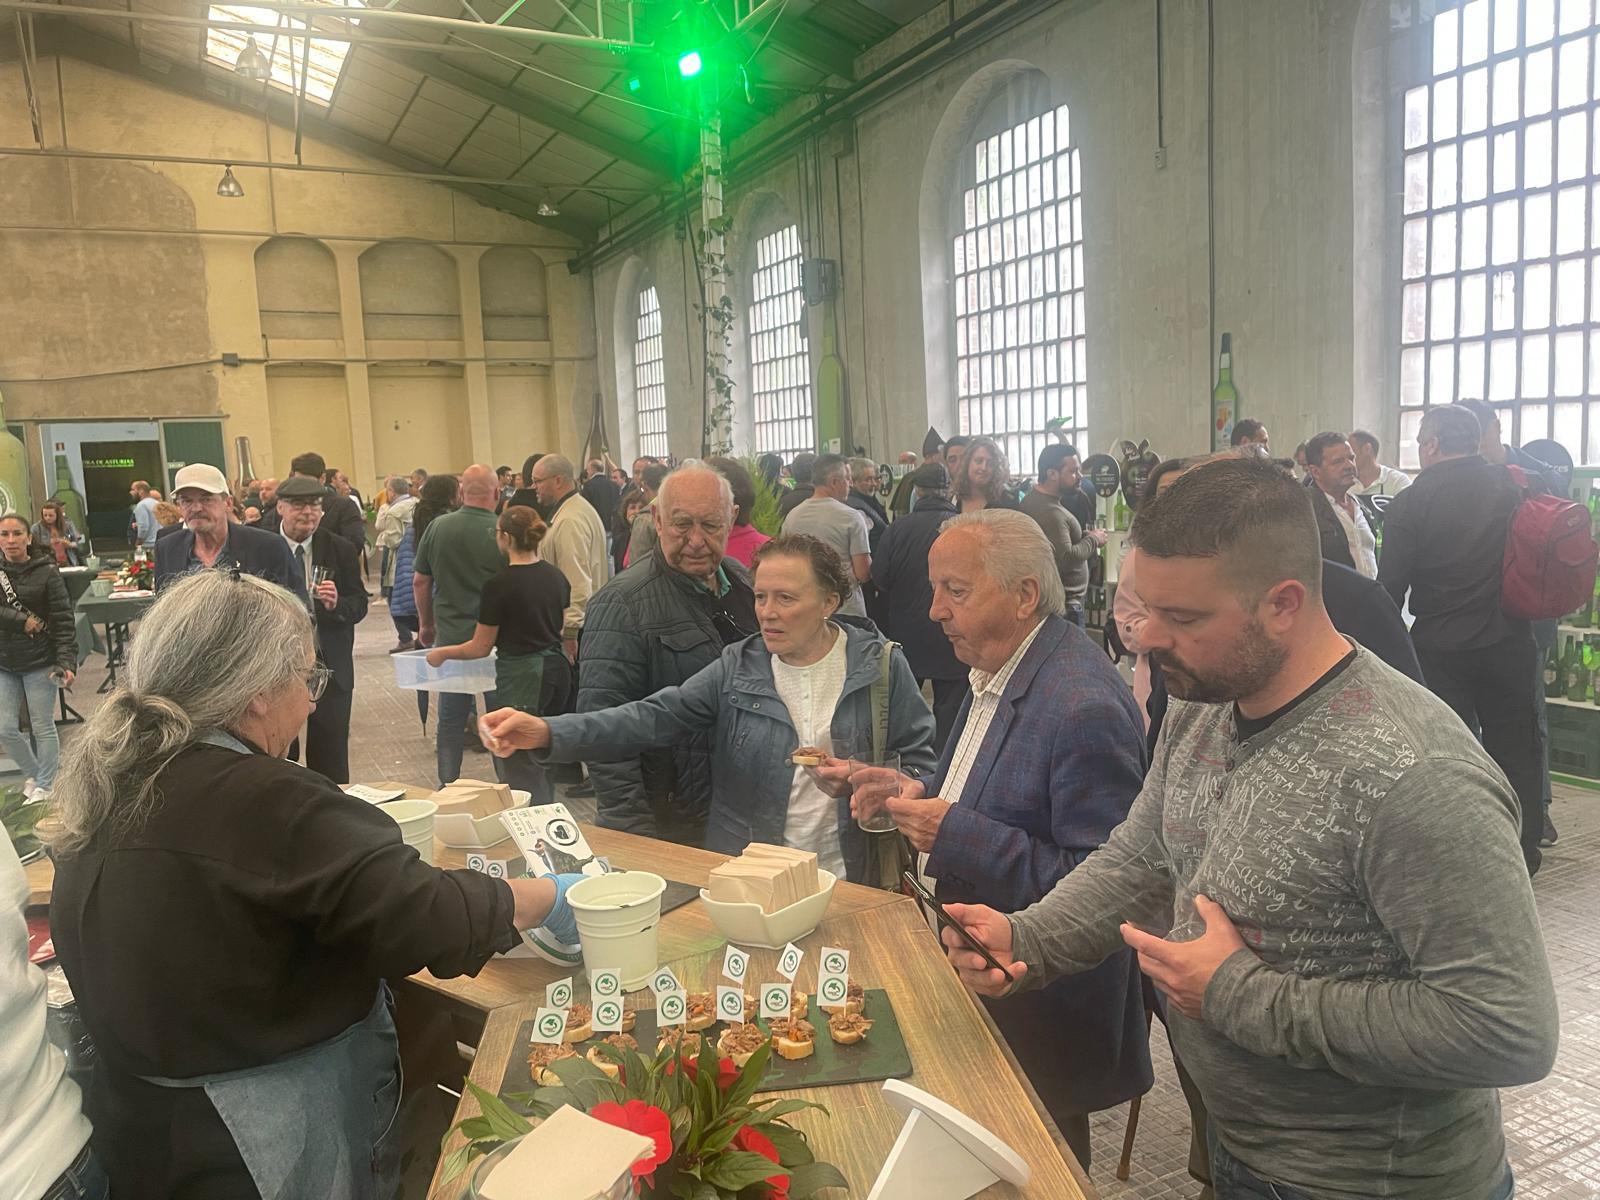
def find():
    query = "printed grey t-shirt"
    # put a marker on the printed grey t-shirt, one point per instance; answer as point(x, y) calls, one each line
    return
point(837, 525)
point(1366, 849)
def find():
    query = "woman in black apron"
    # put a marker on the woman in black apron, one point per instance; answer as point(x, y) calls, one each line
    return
point(227, 919)
point(519, 618)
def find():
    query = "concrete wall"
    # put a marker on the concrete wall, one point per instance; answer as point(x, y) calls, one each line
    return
point(1299, 91)
point(354, 302)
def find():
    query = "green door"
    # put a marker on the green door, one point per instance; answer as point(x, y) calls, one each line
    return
point(192, 442)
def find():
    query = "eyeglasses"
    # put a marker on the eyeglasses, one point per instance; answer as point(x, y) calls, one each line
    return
point(317, 682)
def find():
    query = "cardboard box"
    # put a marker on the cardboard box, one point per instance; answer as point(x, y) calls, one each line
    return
point(473, 797)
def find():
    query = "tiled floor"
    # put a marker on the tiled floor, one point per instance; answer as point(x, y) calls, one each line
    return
point(1553, 1126)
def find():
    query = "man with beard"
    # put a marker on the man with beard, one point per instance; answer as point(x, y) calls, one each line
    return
point(1346, 536)
point(1322, 874)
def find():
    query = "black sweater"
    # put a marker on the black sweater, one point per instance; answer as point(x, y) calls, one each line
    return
point(41, 591)
point(252, 915)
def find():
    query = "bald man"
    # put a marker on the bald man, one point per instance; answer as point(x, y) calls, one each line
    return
point(457, 556)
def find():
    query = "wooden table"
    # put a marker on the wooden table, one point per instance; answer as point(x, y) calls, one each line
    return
point(684, 932)
point(41, 873)
point(953, 1053)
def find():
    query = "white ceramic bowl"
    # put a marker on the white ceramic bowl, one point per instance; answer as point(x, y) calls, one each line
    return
point(747, 925)
point(466, 832)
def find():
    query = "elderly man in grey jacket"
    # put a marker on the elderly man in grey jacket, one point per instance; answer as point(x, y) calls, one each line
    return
point(653, 626)
point(1322, 874)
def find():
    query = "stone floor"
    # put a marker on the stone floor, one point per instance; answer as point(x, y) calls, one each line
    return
point(1553, 1126)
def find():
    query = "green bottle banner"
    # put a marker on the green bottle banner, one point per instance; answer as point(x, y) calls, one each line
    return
point(13, 471)
point(1224, 399)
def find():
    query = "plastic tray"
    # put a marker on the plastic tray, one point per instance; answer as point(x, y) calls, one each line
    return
point(471, 675)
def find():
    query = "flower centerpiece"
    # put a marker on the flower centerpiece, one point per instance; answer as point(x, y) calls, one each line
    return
point(712, 1139)
point(136, 575)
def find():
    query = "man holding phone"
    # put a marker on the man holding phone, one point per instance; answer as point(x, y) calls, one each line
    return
point(1044, 760)
point(1322, 874)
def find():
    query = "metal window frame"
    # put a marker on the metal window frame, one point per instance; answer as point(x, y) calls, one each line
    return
point(649, 375)
point(783, 410)
point(1417, 356)
point(1016, 415)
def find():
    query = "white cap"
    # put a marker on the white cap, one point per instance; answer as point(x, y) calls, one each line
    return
point(203, 476)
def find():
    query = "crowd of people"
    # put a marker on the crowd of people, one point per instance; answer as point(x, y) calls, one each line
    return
point(1303, 839)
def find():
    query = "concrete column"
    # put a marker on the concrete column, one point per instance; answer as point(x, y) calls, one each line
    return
point(357, 379)
point(477, 371)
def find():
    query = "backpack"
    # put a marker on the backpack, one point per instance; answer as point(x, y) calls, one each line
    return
point(1550, 557)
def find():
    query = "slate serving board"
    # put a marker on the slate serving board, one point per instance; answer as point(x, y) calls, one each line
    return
point(882, 1054)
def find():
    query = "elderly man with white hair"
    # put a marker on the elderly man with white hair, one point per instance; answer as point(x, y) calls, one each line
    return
point(653, 626)
point(576, 543)
point(1045, 760)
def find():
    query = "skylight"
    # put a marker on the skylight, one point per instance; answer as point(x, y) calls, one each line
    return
point(285, 49)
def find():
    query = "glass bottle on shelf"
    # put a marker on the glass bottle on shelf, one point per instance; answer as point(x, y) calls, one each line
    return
point(1554, 684)
point(1565, 668)
point(1577, 674)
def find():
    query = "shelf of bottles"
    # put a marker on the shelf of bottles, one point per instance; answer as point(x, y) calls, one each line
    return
point(1572, 663)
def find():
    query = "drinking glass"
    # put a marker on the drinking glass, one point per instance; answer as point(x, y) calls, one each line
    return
point(873, 780)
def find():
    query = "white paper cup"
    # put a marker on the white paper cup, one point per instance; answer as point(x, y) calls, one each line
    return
point(415, 818)
point(618, 916)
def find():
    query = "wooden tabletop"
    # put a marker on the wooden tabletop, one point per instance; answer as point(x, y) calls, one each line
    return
point(953, 1053)
point(41, 873)
point(684, 932)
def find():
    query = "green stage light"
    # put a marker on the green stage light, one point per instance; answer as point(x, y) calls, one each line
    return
point(690, 64)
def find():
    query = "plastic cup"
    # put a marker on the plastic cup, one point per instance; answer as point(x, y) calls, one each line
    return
point(873, 780)
point(415, 818)
point(618, 916)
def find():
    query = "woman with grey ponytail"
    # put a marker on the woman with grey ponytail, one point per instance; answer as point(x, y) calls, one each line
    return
point(227, 918)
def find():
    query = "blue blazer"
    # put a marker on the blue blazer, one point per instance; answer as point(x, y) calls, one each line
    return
point(1059, 768)
point(253, 551)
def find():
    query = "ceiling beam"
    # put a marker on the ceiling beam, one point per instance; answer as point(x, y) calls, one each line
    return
point(815, 48)
point(77, 42)
point(624, 149)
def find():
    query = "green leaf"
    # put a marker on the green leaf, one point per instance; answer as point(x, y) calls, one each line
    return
point(775, 1108)
point(504, 1121)
point(812, 1178)
point(454, 1163)
point(740, 1168)
point(791, 1144)
point(751, 1076)
point(719, 1137)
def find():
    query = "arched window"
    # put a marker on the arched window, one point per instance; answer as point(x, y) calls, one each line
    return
point(1500, 285)
point(780, 359)
point(1019, 294)
point(649, 377)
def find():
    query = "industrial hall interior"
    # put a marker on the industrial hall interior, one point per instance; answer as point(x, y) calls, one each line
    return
point(787, 599)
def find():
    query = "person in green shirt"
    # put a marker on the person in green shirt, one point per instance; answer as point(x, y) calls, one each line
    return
point(458, 554)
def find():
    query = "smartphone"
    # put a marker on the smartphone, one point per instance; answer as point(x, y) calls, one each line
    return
point(946, 921)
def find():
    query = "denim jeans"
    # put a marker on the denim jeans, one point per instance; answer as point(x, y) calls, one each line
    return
point(1235, 1181)
point(85, 1179)
point(455, 710)
point(37, 758)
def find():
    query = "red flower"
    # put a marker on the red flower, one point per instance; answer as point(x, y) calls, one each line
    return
point(756, 1141)
point(644, 1119)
